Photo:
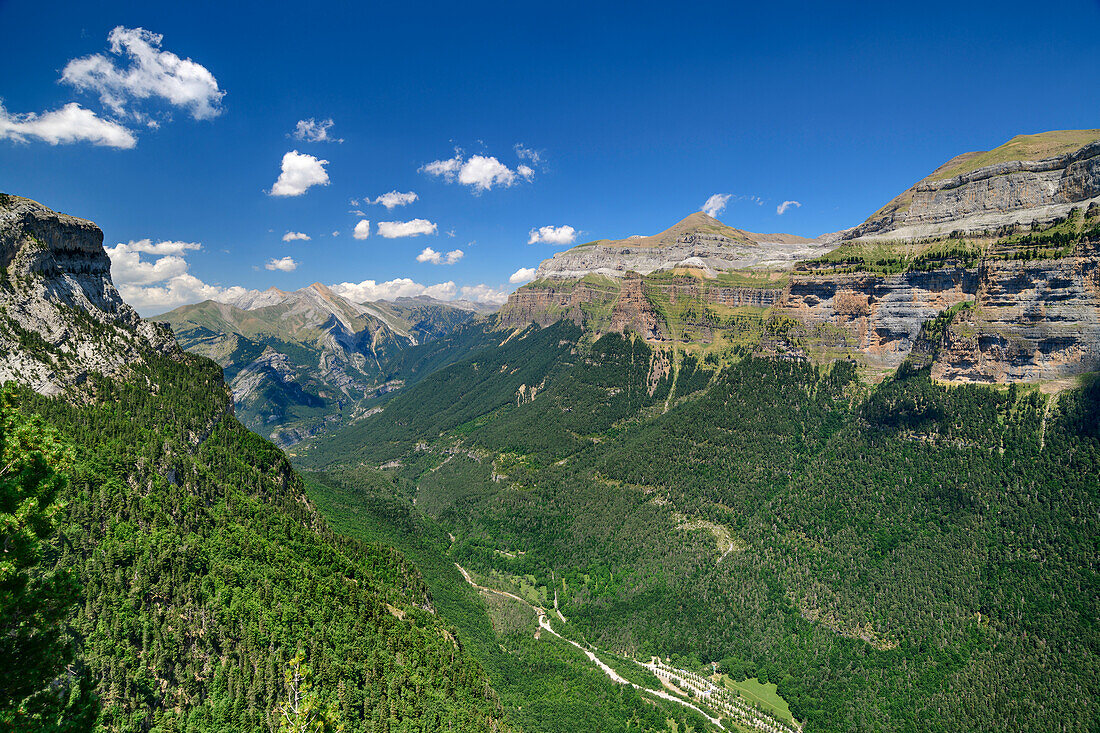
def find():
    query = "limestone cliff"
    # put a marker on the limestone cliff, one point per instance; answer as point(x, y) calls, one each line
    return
point(1032, 320)
point(63, 319)
point(697, 242)
point(1030, 178)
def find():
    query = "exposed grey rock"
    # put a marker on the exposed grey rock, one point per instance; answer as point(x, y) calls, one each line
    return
point(1016, 192)
point(699, 242)
point(64, 319)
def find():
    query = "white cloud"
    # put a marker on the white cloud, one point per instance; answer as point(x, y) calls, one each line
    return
point(715, 204)
point(164, 283)
point(128, 267)
point(446, 169)
point(553, 235)
point(401, 287)
point(336, 232)
point(415, 227)
point(283, 264)
point(159, 248)
point(480, 172)
point(362, 229)
point(299, 172)
point(404, 287)
point(484, 294)
point(785, 206)
point(72, 123)
point(525, 153)
point(151, 72)
point(293, 236)
point(522, 275)
point(312, 131)
point(395, 198)
point(483, 173)
point(440, 258)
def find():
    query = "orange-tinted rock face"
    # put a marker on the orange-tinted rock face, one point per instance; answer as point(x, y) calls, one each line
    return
point(551, 301)
point(879, 317)
point(1032, 320)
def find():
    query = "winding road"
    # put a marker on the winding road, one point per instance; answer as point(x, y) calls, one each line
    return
point(544, 623)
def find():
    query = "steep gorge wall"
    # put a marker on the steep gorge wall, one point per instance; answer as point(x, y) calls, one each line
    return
point(874, 316)
point(1032, 320)
point(56, 295)
point(1016, 192)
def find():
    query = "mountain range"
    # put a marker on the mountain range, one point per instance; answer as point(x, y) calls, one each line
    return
point(300, 361)
point(700, 480)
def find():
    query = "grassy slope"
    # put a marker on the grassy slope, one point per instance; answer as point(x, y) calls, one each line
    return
point(1022, 147)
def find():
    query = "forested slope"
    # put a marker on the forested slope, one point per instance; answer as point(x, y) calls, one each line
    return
point(206, 592)
point(896, 557)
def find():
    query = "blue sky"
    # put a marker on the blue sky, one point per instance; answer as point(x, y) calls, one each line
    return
point(637, 116)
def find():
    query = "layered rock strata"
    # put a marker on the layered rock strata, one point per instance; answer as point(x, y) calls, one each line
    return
point(1013, 192)
point(57, 297)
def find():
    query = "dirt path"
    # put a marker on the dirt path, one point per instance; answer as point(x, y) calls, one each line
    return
point(544, 623)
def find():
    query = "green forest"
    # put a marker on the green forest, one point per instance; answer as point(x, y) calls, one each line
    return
point(900, 556)
point(196, 587)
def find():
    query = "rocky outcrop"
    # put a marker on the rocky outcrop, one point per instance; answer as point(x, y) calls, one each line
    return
point(549, 301)
point(698, 242)
point(63, 319)
point(875, 317)
point(1032, 320)
point(992, 196)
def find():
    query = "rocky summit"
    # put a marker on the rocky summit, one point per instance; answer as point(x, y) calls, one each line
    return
point(297, 362)
point(1007, 240)
point(1029, 178)
point(57, 297)
point(698, 242)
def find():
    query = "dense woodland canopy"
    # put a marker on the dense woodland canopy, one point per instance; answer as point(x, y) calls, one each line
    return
point(904, 556)
point(205, 574)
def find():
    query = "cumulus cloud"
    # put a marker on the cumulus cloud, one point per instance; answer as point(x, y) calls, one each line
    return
point(714, 205)
point(413, 228)
point(395, 198)
point(484, 294)
point(70, 124)
point(401, 287)
point(283, 264)
point(479, 172)
point(150, 247)
point(553, 235)
point(484, 172)
point(522, 275)
point(150, 73)
point(312, 131)
point(158, 285)
point(299, 173)
point(293, 236)
point(785, 206)
point(440, 258)
point(362, 229)
point(404, 287)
